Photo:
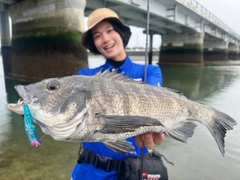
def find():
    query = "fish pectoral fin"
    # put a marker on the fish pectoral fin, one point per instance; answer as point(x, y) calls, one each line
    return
point(120, 124)
point(182, 132)
point(120, 146)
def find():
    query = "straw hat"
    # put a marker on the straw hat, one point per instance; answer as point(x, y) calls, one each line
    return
point(104, 14)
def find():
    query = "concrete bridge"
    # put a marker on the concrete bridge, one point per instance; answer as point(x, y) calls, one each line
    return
point(49, 31)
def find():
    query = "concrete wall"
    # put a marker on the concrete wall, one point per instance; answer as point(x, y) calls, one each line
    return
point(5, 43)
point(233, 51)
point(182, 48)
point(46, 39)
point(216, 50)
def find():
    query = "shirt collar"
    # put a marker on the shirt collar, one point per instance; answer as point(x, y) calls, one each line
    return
point(126, 64)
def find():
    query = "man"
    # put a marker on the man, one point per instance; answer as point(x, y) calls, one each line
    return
point(108, 36)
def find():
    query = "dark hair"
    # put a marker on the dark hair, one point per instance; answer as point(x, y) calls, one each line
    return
point(124, 32)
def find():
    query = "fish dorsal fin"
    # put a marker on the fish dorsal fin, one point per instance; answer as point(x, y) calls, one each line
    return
point(114, 75)
point(175, 91)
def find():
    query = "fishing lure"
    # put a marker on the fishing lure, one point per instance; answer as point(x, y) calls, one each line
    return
point(30, 127)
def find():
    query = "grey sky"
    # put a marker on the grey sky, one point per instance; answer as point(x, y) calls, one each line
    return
point(226, 10)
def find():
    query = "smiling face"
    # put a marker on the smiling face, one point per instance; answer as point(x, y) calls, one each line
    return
point(108, 41)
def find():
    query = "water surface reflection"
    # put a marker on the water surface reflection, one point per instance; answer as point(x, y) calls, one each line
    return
point(217, 86)
point(200, 158)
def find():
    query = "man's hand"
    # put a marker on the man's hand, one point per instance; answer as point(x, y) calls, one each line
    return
point(149, 139)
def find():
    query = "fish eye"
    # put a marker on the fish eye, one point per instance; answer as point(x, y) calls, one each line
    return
point(53, 85)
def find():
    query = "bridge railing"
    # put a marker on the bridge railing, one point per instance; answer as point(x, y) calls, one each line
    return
point(199, 9)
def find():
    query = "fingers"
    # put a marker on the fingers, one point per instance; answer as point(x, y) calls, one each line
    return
point(149, 139)
point(139, 141)
point(158, 138)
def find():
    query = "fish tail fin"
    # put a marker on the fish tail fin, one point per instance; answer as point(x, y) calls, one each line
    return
point(219, 126)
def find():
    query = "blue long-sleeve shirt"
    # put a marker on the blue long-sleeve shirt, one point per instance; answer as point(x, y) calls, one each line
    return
point(135, 71)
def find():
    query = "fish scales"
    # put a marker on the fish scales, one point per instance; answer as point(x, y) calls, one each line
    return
point(110, 108)
point(124, 99)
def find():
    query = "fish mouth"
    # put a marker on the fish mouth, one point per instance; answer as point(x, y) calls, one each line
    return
point(26, 97)
point(57, 131)
point(17, 107)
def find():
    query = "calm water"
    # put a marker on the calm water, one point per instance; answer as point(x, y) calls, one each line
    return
point(199, 159)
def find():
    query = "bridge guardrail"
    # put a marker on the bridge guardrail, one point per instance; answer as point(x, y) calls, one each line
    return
point(199, 9)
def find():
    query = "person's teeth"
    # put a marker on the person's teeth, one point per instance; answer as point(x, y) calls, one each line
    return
point(109, 46)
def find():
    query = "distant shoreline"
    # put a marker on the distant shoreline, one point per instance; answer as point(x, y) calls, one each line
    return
point(155, 60)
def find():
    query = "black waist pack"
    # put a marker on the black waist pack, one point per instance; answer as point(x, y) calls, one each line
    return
point(152, 165)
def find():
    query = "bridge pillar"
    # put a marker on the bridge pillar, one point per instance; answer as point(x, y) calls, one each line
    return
point(150, 50)
point(5, 43)
point(233, 51)
point(215, 51)
point(182, 48)
point(238, 52)
point(46, 38)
